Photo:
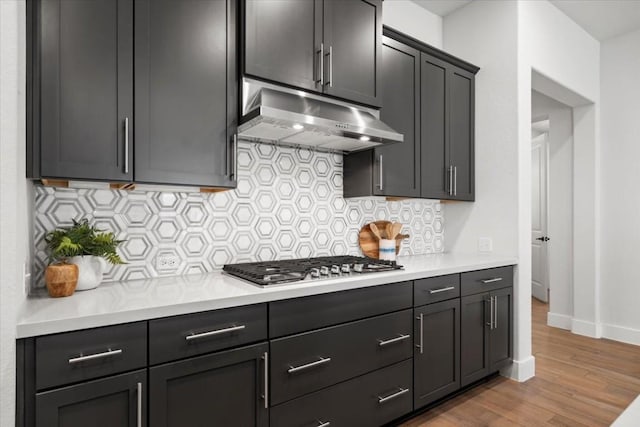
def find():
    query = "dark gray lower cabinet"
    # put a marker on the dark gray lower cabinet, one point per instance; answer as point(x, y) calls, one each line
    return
point(370, 400)
point(436, 360)
point(486, 334)
point(220, 389)
point(114, 401)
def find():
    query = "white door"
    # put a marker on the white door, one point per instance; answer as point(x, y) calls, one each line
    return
point(539, 260)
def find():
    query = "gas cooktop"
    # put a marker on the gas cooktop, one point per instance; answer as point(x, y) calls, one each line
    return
point(276, 272)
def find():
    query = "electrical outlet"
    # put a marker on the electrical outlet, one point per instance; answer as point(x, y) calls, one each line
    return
point(167, 262)
point(485, 244)
point(26, 279)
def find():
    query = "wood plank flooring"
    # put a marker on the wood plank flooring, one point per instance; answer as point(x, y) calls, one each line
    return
point(579, 381)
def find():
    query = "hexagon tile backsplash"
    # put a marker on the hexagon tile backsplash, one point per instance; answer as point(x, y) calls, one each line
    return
point(288, 204)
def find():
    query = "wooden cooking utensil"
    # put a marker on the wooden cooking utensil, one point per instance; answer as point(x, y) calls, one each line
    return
point(375, 230)
point(369, 242)
point(395, 230)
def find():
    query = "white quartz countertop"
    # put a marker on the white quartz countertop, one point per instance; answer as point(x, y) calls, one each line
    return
point(135, 300)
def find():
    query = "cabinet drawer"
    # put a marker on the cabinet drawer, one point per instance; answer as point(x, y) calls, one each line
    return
point(77, 356)
point(193, 334)
point(475, 282)
point(434, 289)
point(308, 362)
point(318, 311)
point(370, 400)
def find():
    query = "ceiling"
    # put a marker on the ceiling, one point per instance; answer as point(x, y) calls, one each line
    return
point(602, 19)
point(441, 7)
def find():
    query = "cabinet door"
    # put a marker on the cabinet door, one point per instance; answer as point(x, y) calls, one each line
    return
point(500, 340)
point(86, 92)
point(282, 41)
point(437, 360)
point(186, 91)
point(113, 401)
point(461, 132)
point(474, 338)
point(400, 84)
point(352, 49)
point(434, 129)
point(221, 389)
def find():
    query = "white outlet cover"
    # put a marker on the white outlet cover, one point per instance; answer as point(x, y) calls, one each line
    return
point(485, 244)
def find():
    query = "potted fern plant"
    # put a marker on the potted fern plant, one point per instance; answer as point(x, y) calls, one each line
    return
point(85, 247)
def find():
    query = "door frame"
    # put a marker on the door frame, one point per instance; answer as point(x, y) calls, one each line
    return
point(543, 127)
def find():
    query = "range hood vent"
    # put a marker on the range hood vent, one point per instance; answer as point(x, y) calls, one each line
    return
point(288, 117)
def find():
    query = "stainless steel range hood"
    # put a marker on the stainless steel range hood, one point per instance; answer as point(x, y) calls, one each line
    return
point(290, 117)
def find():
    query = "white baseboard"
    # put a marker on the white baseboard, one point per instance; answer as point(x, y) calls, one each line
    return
point(621, 333)
point(586, 328)
point(561, 321)
point(521, 370)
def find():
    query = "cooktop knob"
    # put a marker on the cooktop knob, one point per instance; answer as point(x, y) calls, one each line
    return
point(324, 270)
point(358, 268)
point(315, 272)
point(335, 269)
point(346, 268)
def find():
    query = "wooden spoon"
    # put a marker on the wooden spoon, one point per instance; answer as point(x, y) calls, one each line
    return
point(395, 230)
point(389, 231)
point(375, 231)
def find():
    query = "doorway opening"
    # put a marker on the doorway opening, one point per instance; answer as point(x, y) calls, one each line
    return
point(552, 214)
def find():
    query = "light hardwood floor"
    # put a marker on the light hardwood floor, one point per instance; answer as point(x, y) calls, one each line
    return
point(579, 382)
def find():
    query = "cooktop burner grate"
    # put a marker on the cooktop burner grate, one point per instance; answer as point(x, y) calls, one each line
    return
point(265, 273)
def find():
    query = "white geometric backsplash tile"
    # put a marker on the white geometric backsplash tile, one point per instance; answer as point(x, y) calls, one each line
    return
point(288, 204)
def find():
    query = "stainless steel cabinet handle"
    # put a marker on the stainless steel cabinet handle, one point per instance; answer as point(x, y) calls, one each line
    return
point(380, 171)
point(321, 60)
point(490, 323)
point(234, 163)
point(126, 145)
point(139, 413)
point(421, 345)
point(265, 396)
point(451, 180)
point(318, 362)
point(399, 338)
point(330, 55)
point(495, 313)
point(213, 333)
point(81, 358)
point(495, 279)
point(321, 424)
point(455, 180)
point(398, 393)
point(437, 291)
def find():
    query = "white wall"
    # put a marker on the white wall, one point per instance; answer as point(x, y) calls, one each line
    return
point(15, 227)
point(413, 20)
point(485, 33)
point(560, 207)
point(553, 45)
point(620, 152)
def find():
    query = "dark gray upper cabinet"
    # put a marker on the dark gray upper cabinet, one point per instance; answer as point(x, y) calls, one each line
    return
point(114, 401)
point(81, 72)
point(428, 96)
point(186, 91)
point(281, 38)
point(392, 170)
point(352, 48)
point(221, 389)
point(327, 46)
point(436, 362)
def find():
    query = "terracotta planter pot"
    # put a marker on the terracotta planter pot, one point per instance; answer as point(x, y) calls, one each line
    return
point(61, 279)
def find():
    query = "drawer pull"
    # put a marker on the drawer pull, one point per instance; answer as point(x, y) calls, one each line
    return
point(139, 411)
point(321, 424)
point(399, 338)
point(81, 358)
point(495, 279)
point(321, 361)
point(398, 393)
point(213, 333)
point(437, 291)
